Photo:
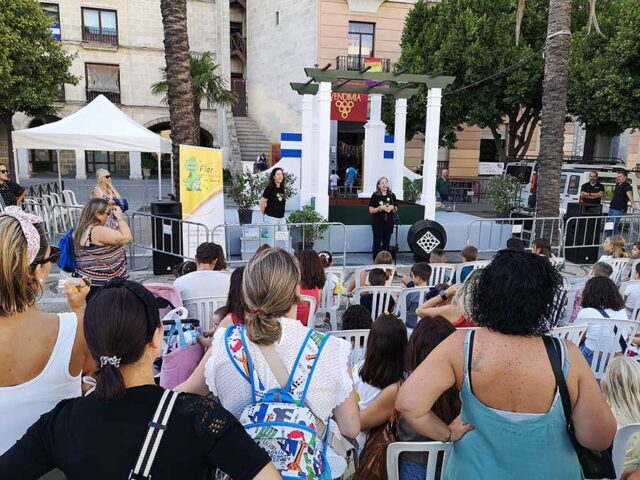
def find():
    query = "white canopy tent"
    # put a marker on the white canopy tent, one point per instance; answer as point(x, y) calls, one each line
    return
point(98, 126)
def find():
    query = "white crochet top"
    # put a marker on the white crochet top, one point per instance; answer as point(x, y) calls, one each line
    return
point(330, 383)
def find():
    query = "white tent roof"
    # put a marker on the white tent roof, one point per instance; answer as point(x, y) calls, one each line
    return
point(98, 126)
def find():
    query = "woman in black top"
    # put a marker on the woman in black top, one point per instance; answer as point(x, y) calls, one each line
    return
point(382, 207)
point(11, 193)
point(272, 203)
point(101, 435)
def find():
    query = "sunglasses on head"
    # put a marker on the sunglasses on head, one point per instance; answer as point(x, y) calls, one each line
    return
point(53, 257)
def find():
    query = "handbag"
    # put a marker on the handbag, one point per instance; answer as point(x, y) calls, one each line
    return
point(595, 464)
point(180, 358)
point(373, 459)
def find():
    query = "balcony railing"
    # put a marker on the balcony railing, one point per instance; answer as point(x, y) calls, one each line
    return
point(354, 62)
point(108, 36)
point(112, 96)
point(239, 45)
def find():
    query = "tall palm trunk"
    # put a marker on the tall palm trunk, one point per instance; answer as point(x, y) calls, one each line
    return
point(554, 107)
point(180, 93)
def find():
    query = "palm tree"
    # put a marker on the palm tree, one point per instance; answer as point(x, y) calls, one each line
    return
point(178, 73)
point(206, 84)
point(554, 106)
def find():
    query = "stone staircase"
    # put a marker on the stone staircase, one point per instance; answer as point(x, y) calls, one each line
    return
point(251, 139)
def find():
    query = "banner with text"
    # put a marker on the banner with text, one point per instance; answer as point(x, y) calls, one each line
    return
point(201, 195)
point(349, 107)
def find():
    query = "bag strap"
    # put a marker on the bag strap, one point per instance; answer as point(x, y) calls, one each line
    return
point(553, 352)
point(157, 427)
point(621, 340)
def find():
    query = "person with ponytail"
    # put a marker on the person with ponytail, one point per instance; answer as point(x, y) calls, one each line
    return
point(100, 436)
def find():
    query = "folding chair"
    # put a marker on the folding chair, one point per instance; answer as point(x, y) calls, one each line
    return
point(203, 308)
point(358, 340)
point(381, 298)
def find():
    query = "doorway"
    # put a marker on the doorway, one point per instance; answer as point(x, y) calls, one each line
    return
point(350, 151)
point(239, 88)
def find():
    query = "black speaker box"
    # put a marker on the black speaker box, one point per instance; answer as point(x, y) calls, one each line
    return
point(166, 235)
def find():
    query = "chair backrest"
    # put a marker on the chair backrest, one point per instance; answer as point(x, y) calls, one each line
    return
point(470, 267)
point(572, 293)
point(337, 271)
point(203, 308)
point(441, 273)
point(357, 339)
point(438, 456)
point(391, 269)
point(573, 333)
point(312, 308)
point(69, 197)
point(619, 266)
point(608, 339)
point(56, 199)
point(401, 306)
point(620, 442)
point(381, 298)
point(557, 262)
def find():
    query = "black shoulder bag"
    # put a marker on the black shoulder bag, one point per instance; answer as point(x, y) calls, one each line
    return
point(594, 464)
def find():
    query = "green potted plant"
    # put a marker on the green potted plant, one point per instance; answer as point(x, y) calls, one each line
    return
point(148, 163)
point(245, 189)
point(308, 234)
point(502, 193)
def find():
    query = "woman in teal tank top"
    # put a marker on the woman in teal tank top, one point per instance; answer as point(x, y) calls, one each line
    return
point(512, 424)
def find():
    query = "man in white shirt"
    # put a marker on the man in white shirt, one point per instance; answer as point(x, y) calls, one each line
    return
point(333, 182)
point(206, 281)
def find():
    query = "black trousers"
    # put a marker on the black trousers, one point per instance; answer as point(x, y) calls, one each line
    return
point(381, 238)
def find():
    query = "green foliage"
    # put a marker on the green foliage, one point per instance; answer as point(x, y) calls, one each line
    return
point(33, 64)
point(246, 188)
point(308, 214)
point(412, 189)
point(604, 82)
point(502, 192)
point(148, 162)
point(207, 84)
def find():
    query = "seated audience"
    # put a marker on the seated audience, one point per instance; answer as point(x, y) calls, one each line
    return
point(43, 355)
point(377, 278)
point(356, 317)
point(429, 333)
point(270, 289)
point(469, 254)
point(599, 269)
point(332, 286)
point(614, 247)
point(600, 299)
point(420, 274)
point(630, 290)
point(438, 255)
point(206, 281)
point(383, 363)
point(516, 244)
point(101, 435)
point(635, 251)
point(383, 258)
point(452, 304)
point(234, 311)
point(542, 247)
point(506, 384)
point(312, 281)
point(621, 389)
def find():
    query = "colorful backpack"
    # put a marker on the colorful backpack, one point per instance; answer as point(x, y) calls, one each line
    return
point(278, 419)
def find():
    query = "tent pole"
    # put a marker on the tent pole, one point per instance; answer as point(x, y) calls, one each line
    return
point(59, 171)
point(159, 179)
point(15, 164)
point(173, 188)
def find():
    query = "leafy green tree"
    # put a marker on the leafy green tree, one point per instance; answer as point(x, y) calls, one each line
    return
point(33, 65)
point(206, 84)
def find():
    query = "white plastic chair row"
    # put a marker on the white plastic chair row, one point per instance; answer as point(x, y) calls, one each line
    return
point(381, 298)
point(442, 273)
point(203, 308)
point(476, 265)
point(573, 333)
point(358, 340)
point(620, 268)
point(438, 455)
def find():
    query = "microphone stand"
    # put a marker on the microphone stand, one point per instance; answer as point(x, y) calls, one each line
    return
point(396, 222)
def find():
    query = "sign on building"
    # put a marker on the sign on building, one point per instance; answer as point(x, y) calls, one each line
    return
point(349, 107)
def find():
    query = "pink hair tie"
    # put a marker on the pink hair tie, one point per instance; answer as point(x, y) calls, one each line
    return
point(27, 220)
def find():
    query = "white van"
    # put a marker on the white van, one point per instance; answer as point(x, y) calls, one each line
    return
point(573, 176)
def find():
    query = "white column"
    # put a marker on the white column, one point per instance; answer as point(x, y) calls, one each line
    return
point(306, 162)
point(324, 145)
point(81, 165)
point(398, 148)
point(430, 161)
point(23, 164)
point(135, 166)
point(374, 131)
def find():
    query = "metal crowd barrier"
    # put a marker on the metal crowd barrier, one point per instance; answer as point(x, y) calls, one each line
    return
point(491, 234)
point(242, 241)
point(591, 231)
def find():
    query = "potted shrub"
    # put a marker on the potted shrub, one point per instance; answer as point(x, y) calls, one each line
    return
point(245, 189)
point(308, 234)
point(148, 163)
point(502, 194)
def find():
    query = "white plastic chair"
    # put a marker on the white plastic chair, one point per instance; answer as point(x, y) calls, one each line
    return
point(441, 273)
point(608, 340)
point(69, 197)
point(557, 262)
point(620, 442)
point(381, 298)
point(391, 269)
point(203, 308)
point(435, 450)
point(620, 266)
point(337, 271)
point(330, 302)
point(357, 339)
point(401, 306)
point(573, 333)
point(312, 308)
point(478, 264)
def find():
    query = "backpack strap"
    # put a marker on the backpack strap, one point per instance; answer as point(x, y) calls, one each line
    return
point(305, 365)
point(236, 345)
point(157, 427)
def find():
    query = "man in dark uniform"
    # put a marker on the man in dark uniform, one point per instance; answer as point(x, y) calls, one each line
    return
point(592, 192)
point(622, 195)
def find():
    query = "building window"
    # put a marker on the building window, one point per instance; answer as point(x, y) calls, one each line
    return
point(361, 39)
point(103, 79)
point(99, 26)
point(52, 11)
point(96, 160)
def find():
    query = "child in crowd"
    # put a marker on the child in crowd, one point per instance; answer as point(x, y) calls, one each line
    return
point(542, 247)
point(635, 251)
point(383, 258)
point(514, 243)
point(420, 274)
point(333, 283)
point(438, 255)
point(356, 317)
point(599, 269)
point(630, 290)
point(469, 254)
point(614, 247)
point(312, 281)
point(377, 278)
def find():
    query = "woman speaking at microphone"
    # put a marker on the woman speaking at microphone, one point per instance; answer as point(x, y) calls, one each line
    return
point(382, 207)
